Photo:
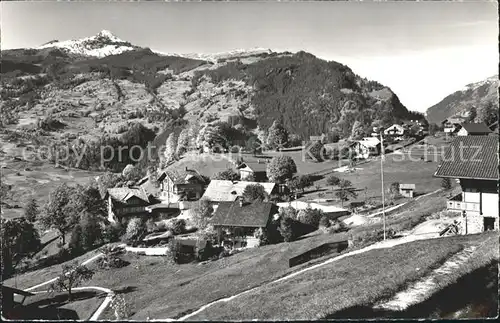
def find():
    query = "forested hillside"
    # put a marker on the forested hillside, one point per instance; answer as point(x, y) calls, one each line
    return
point(311, 96)
point(478, 96)
point(62, 96)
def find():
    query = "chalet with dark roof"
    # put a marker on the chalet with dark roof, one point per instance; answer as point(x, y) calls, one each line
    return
point(240, 220)
point(126, 202)
point(13, 302)
point(256, 171)
point(473, 160)
point(177, 185)
point(474, 129)
point(452, 124)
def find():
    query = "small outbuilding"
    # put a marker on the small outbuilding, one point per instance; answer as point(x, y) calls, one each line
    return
point(12, 300)
point(407, 190)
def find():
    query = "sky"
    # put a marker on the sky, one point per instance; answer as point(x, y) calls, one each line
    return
point(422, 50)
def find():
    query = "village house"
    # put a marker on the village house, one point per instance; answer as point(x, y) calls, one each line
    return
point(228, 191)
point(237, 221)
point(322, 138)
point(368, 146)
point(407, 190)
point(13, 302)
point(452, 124)
point(474, 129)
point(176, 186)
point(332, 212)
point(256, 172)
point(395, 130)
point(126, 202)
point(473, 160)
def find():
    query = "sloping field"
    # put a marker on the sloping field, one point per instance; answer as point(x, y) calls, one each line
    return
point(355, 280)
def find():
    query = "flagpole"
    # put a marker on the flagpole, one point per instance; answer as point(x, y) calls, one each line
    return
point(382, 178)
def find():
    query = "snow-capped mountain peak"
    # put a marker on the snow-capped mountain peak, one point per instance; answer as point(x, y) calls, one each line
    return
point(105, 43)
point(473, 86)
point(100, 45)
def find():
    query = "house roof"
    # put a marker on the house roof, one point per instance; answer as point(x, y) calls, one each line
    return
point(228, 191)
point(181, 176)
point(395, 126)
point(472, 157)
point(12, 290)
point(407, 186)
point(122, 194)
point(480, 128)
point(254, 214)
point(254, 167)
point(300, 205)
point(159, 206)
point(368, 142)
point(454, 120)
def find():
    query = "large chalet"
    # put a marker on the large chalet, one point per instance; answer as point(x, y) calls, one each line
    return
point(473, 160)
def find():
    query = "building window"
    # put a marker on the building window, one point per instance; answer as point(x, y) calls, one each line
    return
point(489, 223)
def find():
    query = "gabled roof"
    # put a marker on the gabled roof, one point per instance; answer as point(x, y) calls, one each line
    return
point(151, 187)
point(407, 186)
point(454, 120)
point(301, 205)
point(479, 128)
point(368, 142)
point(395, 126)
point(254, 214)
point(17, 291)
point(181, 176)
point(123, 194)
point(228, 191)
point(471, 157)
point(254, 167)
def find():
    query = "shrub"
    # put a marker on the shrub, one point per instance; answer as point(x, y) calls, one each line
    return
point(310, 217)
point(446, 183)
point(111, 258)
point(121, 307)
point(151, 226)
point(337, 227)
point(324, 222)
point(75, 242)
point(227, 175)
point(394, 190)
point(112, 233)
point(178, 226)
point(136, 228)
point(286, 229)
point(254, 192)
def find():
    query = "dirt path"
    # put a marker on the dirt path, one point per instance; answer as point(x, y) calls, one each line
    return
point(419, 291)
point(392, 208)
point(379, 245)
point(104, 304)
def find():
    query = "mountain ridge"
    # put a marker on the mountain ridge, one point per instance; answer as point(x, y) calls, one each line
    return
point(476, 94)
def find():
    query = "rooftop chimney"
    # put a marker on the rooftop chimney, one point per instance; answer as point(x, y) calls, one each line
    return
point(186, 168)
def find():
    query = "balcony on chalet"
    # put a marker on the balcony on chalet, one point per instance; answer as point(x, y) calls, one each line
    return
point(456, 204)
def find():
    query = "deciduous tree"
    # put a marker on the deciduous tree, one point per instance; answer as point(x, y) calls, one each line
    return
point(31, 210)
point(281, 168)
point(254, 192)
point(20, 239)
point(71, 276)
point(277, 136)
point(345, 191)
point(227, 175)
point(58, 213)
point(182, 142)
point(169, 150)
point(333, 180)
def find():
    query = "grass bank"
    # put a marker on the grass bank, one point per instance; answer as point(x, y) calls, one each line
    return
point(356, 280)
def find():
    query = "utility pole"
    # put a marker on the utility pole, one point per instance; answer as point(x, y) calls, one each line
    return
point(382, 178)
